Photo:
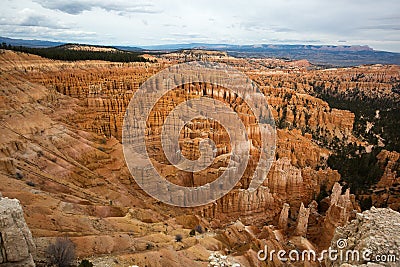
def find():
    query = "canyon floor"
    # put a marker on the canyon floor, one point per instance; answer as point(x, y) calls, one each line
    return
point(61, 156)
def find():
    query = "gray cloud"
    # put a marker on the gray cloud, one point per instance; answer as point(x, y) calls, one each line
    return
point(141, 22)
point(33, 20)
point(283, 29)
point(257, 26)
point(295, 41)
point(73, 8)
point(187, 35)
point(41, 21)
point(31, 32)
point(388, 27)
point(76, 7)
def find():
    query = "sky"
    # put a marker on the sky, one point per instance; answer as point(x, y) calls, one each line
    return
point(139, 23)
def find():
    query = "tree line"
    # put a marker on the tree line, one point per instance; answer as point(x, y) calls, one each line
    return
point(59, 53)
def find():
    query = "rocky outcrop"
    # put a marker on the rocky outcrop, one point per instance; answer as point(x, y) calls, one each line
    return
point(338, 213)
point(318, 226)
point(218, 260)
point(372, 81)
point(302, 221)
point(374, 234)
point(252, 207)
point(103, 93)
point(283, 217)
point(386, 193)
point(60, 155)
point(16, 243)
point(309, 114)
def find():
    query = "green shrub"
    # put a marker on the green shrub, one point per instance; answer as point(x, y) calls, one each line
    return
point(192, 232)
point(178, 238)
point(199, 229)
point(85, 263)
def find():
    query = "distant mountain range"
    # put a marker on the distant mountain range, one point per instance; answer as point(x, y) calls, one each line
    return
point(45, 44)
point(29, 43)
point(260, 47)
point(319, 54)
point(316, 54)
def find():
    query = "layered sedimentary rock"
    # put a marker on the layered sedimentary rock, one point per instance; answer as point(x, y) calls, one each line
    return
point(61, 156)
point(340, 210)
point(386, 192)
point(16, 247)
point(104, 93)
point(302, 221)
point(293, 180)
point(283, 217)
point(319, 226)
point(99, 92)
point(310, 114)
point(374, 81)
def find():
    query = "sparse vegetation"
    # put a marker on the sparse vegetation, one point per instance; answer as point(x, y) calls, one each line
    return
point(192, 232)
point(385, 125)
point(358, 169)
point(178, 238)
point(322, 193)
point(376, 121)
point(61, 253)
point(149, 246)
point(366, 203)
point(199, 229)
point(30, 183)
point(85, 263)
point(19, 175)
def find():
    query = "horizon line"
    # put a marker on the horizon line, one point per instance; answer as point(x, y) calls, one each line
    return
point(147, 46)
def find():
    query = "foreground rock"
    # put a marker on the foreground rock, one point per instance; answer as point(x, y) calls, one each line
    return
point(16, 246)
point(218, 260)
point(374, 233)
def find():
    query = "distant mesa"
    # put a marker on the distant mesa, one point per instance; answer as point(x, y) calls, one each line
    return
point(331, 55)
point(92, 48)
point(344, 48)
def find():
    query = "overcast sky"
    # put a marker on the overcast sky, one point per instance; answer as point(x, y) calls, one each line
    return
point(116, 22)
